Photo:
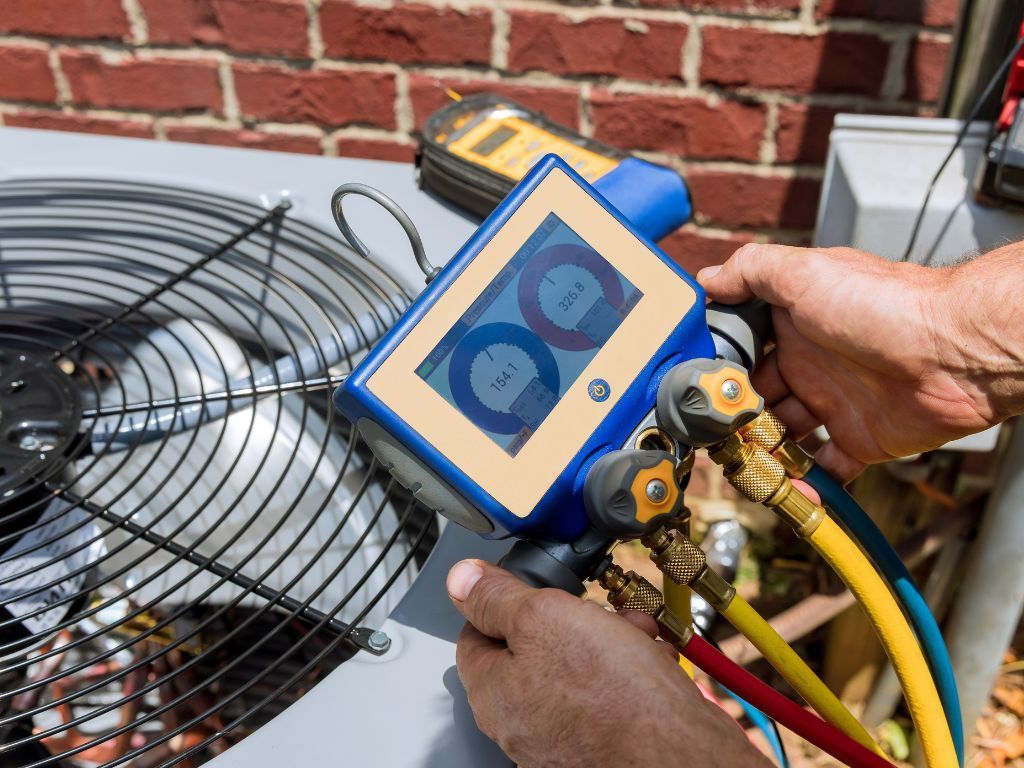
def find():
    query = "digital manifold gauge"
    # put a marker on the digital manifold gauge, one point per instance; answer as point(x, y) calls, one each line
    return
point(535, 351)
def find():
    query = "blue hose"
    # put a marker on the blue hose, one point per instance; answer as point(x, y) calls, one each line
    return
point(765, 725)
point(893, 569)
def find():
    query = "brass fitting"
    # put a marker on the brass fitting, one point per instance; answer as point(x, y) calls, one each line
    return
point(676, 556)
point(767, 430)
point(761, 477)
point(796, 509)
point(672, 629)
point(632, 592)
point(749, 468)
point(716, 591)
point(795, 459)
point(685, 563)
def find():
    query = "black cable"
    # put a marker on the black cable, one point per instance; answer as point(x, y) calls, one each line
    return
point(996, 78)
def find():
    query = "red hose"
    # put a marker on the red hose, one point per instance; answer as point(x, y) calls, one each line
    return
point(779, 708)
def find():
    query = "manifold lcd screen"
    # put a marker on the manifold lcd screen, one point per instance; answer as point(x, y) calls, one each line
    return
point(524, 341)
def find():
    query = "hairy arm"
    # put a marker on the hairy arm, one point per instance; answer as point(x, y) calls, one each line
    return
point(892, 359)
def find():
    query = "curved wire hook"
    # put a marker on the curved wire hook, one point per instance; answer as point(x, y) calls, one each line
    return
point(429, 270)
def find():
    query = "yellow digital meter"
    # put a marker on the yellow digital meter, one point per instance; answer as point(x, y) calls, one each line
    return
point(506, 143)
point(475, 150)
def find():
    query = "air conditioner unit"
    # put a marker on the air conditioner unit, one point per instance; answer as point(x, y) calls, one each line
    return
point(194, 546)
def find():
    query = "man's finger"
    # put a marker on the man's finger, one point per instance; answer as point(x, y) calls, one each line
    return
point(770, 272)
point(476, 656)
point(642, 622)
point(488, 596)
point(833, 459)
point(807, 491)
point(768, 381)
point(797, 417)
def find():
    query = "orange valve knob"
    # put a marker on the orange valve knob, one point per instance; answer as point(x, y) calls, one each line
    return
point(702, 402)
point(630, 493)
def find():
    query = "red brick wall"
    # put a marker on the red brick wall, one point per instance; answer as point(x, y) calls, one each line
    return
point(737, 94)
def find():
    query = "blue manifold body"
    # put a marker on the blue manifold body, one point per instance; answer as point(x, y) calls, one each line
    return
point(443, 481)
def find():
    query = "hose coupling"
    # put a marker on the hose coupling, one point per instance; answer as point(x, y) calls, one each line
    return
point(676, 556)
point(673, 629)
point(629, 591)
point(748, 467)
point(802, 514)
point(761, 477)
point(686, 564)
point(716, 591)
point(795, 459)
point(767, 430)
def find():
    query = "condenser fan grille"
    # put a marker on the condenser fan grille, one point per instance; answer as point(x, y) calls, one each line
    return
point(190, 537)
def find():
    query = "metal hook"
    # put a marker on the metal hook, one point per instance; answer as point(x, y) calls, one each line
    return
point(429, 270)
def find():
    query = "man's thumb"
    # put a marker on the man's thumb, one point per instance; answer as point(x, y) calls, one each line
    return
point(762, 271)
point(488, 596)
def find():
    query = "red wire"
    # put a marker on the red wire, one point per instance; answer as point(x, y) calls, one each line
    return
point(779, 708)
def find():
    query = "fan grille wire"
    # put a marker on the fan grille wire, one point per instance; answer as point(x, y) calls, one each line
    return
point(211, 539)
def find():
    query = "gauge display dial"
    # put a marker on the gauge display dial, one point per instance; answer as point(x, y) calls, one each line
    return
point(491, 369)
point(532, 330)
point(560, 288)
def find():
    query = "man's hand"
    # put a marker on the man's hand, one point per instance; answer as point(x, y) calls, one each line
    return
point(876, 351)
point(557, 681)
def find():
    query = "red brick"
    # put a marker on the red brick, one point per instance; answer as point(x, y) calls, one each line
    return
point(694, 250)
point(25, 75)
point(325, 97)
point(802, 133)
point(248, 26)
point(746, 200)
point(406, 34)
point(182, 22)
point(926, 65)
point(649, 50)
point(428, 95)
point(58, 121)
point(375, 149)
point(250, 139)
point(931, 13)
point(64, 18)
point(686, 127)
point(731, 6)
point(756, 58)
point(161, 85)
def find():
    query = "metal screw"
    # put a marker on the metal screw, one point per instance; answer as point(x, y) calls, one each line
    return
point(379, 641)
point(30, 443)
point(731, 390)
point(657, 491)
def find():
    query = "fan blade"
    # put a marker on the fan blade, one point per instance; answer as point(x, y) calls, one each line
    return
point(287, 374)
point(358, 635)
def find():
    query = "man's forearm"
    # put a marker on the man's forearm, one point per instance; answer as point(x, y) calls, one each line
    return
point(984, 336)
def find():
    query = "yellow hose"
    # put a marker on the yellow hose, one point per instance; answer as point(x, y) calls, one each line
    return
point(795, 671)
point(677, 600)
point(897, 638)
